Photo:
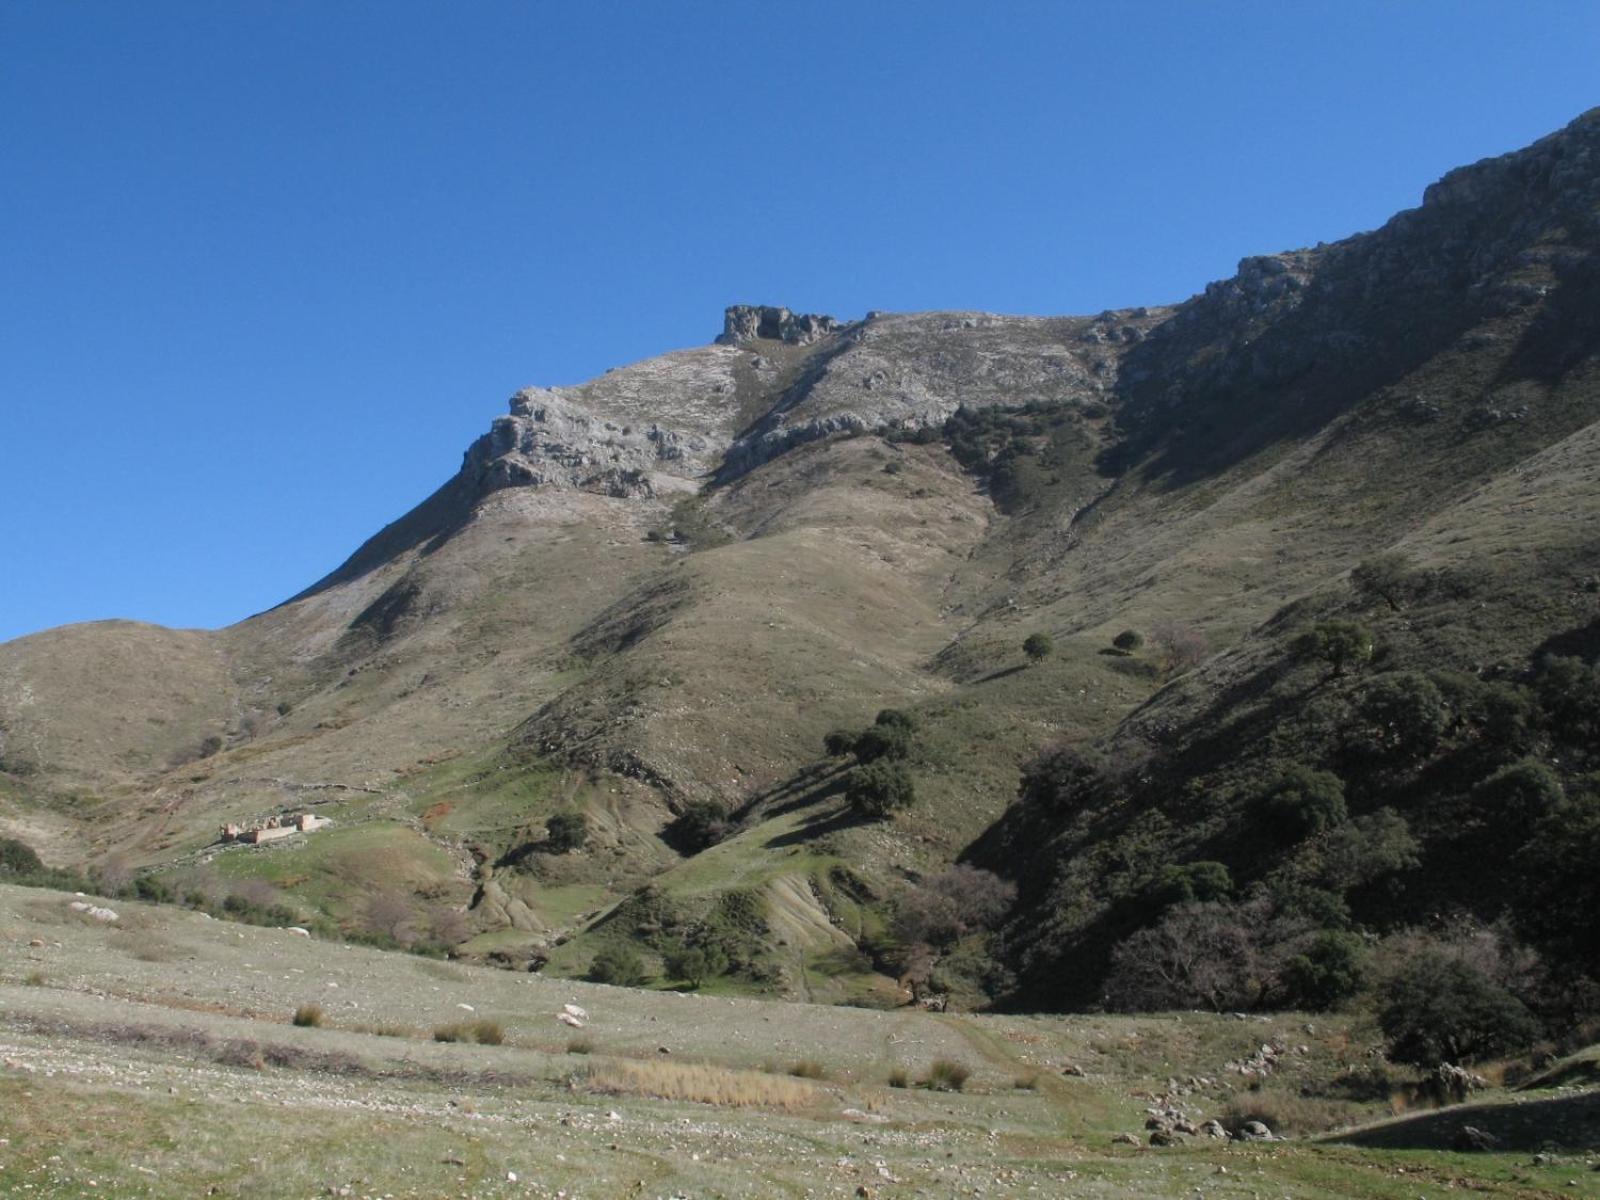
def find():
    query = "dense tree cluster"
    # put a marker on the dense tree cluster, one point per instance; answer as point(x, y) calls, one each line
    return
point(1336, 807)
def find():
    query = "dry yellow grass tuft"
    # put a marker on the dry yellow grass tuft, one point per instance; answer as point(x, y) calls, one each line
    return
point(699, 1083)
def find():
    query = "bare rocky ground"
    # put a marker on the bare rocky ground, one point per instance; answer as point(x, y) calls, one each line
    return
point(154, 1056)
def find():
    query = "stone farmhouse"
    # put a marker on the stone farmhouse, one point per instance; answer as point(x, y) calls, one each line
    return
point(273, 828)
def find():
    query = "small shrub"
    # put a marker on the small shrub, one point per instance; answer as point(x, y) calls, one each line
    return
point(695, 964)
point(481, 1033)
point(1128, 641)
point(839, 742)
point(807, 1068)
point(34, 979)
point(153, 890)
point(565, 831)
point(946, 1075)
point(701, 825)
point(881, 742)
point(1026, 1083)
point(489, 1033)
point(309, 1016)
point(619, 966)
point(18, 858)
point(580, 1046)
point(1038, 646)
point(895, 718)
point(898, 1078)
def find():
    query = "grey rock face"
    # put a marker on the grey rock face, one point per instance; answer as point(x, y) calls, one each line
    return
point(654, 427)
point(908, 371)
point(748, 322)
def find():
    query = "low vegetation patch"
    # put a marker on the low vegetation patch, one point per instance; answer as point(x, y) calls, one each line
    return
point(699, 1083)
point(946, 1075)
point(480, 1033)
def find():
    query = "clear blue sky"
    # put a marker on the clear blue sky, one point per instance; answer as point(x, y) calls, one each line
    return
point(267, 268)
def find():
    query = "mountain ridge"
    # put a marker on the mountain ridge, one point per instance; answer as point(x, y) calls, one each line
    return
point(661, 587)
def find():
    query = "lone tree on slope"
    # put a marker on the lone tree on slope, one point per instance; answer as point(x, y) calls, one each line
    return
point(1038, 647)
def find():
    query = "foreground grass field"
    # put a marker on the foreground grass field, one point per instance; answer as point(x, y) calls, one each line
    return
point(155, 1056)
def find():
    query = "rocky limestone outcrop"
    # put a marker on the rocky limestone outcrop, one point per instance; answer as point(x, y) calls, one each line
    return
point(547, 440)
point(908, 371)
point(749, 322)
point(654, 427)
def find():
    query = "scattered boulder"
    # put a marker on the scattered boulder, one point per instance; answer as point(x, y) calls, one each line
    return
point(1255, 1131)
point(1126, 1139)
point(1165, 1137)
point(1452, 1083)
point(1470, 1137)
point(92, 910)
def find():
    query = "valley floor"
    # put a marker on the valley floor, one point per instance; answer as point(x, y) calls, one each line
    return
point(154, 1056)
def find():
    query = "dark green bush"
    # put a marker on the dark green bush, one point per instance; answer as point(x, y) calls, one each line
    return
point(1559, 884)
point(618, 965)
point(18, 858)
point(565, 831)
point(1038, 646)
point(882, 742)
point(1327, 973)
point(895, 718)
point(1196, 882)
point(1437, 1009)
point(695, 964)
point(701, 824)
point(876, 789)
point(1515, 796)
point(1128, 641)
point(839, 742)
point(1405, 714)
point(156, 891)
point(1302, 802)
point(1569, 696)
